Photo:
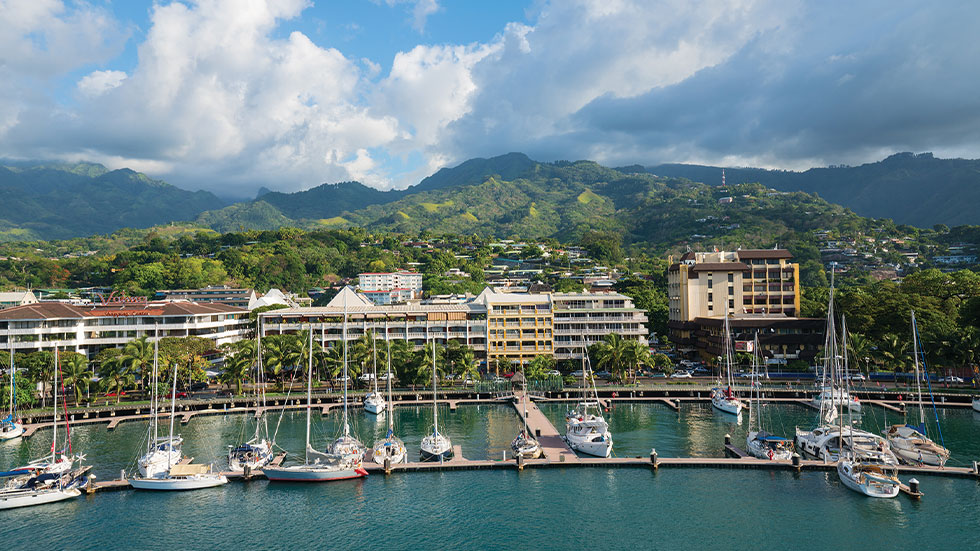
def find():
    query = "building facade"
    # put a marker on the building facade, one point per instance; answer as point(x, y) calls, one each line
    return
point(372, 282)
point(220, 294)
point(758, 290)
point(16, 298)
point(500, 327)
point(90, 328)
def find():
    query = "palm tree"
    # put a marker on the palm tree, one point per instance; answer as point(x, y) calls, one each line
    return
point(75, 373)
point(538, 367)
point(279, 353)
point(333, 362)
point(637, 355)
point(138, 354)
point(117, 381)
point(611, 354)
point(403, 362)
point(860, 348)
point(237, 367)
point(895, 352)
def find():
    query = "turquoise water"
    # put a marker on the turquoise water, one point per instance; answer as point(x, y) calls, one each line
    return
point(630, 508)
point(482, 432)
point(698, 430)
point(538, 509)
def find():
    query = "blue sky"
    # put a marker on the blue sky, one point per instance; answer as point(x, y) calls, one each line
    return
point(231, 95)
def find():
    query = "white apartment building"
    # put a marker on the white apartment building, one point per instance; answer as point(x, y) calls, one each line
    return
point(390, 280)
point(511, 326)
point(90, 328)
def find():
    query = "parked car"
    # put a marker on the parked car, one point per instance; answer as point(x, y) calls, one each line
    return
point(367, 377)
point(858, 377)
point(198, 386)
point(951, 379)
point(701, 371)
point(604, 375)
point(681, 375)
point(498, 379)
point(113, 394)
point(553, 373)
point(580, 373)
point(181, 394)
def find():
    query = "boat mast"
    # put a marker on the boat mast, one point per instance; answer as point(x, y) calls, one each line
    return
point(435, 397)
point(173, 410)
point(918, 384)
point(54, 425)
point(260, 392)
point(845, 395)
point(13, 384)
point(309, 395)
point(346, 425)
point(391, 416)
point(374, 360)
point(156, 356)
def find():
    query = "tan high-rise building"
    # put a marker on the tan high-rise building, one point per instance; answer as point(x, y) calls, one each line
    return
point(758, 290)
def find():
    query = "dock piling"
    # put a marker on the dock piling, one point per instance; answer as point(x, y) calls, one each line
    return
point(797, 462)
point(728, 440)
point(90, 487)
point(520, 462)
point(653, 459)
point(387, 465)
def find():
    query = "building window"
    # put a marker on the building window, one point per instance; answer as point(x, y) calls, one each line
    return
point(709, 284)
point(731, 304)
point(710, 297)
point(731, 277)
point(731, 291)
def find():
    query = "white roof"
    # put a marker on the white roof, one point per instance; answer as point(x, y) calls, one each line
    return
point(18, 296)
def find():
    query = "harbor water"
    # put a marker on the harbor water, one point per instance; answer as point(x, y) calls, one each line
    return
point(594, 507)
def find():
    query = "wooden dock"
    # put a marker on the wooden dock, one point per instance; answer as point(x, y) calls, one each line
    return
point(552, 443)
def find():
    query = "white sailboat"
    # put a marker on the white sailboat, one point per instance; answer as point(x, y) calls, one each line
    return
point(868, 475)
point(257, 451)
point(525, 445)
point(390, 447)
point(374, 402)
point(46, 480)
point(317, 466)
point(760, 443)
point(10, 426)
point(161, 452)
point(177, 476)
point(435, 446)
point(723, 397)
point(347, 443)
point(833, 395)
point(584, 431)
point(911, 443)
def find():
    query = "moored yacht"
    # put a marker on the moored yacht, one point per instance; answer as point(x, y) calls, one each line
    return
point(374, 401)
point(723, 396)
point(390, 448)
point(10, 426)
point(588, 432)
point(435, 446)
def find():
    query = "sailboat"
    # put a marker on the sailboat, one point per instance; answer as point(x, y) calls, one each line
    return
point(10, 426)
point(256, 452)
point(724, 398)
point(180, 475)
point(46, 480)
point(911, 443)
point(161, 452)
point(435, 446)
point(346, 444)
point(833, 396)
point(587, 432)
point(391, 447)
point(830, 439)
point(525, 445)
point(868, 474)
point(760, 443)
point(374, 402)
point(317, 466)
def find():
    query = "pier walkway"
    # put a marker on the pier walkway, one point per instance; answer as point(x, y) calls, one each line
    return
point(552, 443)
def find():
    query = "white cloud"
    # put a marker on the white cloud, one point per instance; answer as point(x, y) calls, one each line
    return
point(220, 98)
point(97, 83)
point(420, 9)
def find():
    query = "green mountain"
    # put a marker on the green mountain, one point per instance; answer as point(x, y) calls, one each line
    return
point(563, 200)
point(920, 190)
point(58, 201)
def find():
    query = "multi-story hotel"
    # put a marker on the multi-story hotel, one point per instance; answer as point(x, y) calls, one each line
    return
point(390, 287)
point(758, 290)
point(496, 325)
point(114, 322)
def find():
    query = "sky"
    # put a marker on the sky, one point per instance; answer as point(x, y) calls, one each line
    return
point(232, 95)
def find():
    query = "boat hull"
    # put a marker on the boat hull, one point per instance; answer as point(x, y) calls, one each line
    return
point(976, 404)
point(732, 407)
point(870, 489)
point(430, 456)
point(9, 432)
point(27, 498)
point(312, 474)
point(392, 450)
point(178, 484)
point(759, 450)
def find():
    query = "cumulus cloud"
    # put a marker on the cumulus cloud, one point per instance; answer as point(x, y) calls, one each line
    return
point(97, 83)
point(221, 98)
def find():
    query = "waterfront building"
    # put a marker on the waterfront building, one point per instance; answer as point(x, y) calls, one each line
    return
point(497, 325)
point(221, 294)
point(758, 289)
point(114, 322)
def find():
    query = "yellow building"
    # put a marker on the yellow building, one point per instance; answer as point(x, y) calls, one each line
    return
point(519, 325)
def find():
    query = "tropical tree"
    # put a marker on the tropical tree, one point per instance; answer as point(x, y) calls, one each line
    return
point(637, 356)
point(612, 355)
point(538, 367)
point(117, 381)
point(138, 354)
point(860, 349)
point(76, 373)
point(403, 362)
point(894, 352)
point(280, 352)
point(237, 368)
